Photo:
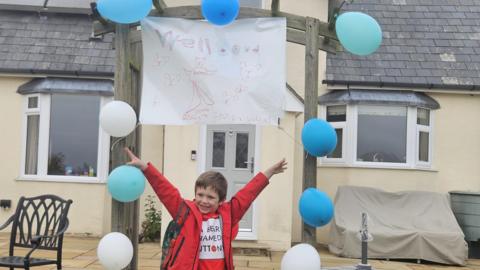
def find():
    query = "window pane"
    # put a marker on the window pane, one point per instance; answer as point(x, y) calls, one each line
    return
point(337, 113)
point(31, 155)
point(73, 144)
point(337, 153)
point(32, 102)
point(241, 151)
point(218, 156)
point(423, 146)
point(382, 134)
point(423, 117)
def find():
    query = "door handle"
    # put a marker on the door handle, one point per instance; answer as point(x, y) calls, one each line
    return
point(251, 162)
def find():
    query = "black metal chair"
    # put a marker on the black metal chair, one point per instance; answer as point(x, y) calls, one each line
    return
point(38, 223)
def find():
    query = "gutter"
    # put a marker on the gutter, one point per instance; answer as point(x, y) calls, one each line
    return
point(430, 86)
point(57, 73)
point(45, 8)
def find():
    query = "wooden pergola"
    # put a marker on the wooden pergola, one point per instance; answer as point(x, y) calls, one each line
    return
point(310, 32)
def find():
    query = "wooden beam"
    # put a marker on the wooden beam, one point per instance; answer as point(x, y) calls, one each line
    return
point(125, 216)
point(96, 15)
point(135, 36)
point(298, 37)
point(294, 36)
point(310, 111)
point(159, 5)
point(194, 13)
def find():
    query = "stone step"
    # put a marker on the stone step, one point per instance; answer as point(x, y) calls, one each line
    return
point(250, 248)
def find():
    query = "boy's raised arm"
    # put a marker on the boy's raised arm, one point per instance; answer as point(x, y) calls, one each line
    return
point(242, 200)
point(278, 167)
point(135, 161)
point(166, 192)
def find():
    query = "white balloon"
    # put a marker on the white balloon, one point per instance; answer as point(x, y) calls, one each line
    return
point(301, 256)
point(117, 118)
point(115, 251)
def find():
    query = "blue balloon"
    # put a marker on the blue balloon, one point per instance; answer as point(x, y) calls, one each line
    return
point(126, 183)
point(315, 207)
point(124, 11)
point(318, 137)
point(220, 12)
point(358, 33)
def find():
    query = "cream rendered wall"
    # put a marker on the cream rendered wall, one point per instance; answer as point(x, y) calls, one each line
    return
point(152, 151)
point(178, 167)
point(274, 207)
point(174, 3)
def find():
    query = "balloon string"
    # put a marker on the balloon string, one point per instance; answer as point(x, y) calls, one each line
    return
point(293, 139)
point(122, 138)
point(290, 136)
point(115, 142)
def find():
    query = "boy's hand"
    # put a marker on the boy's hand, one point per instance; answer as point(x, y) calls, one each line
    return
point(278, 167)
point(135, 161)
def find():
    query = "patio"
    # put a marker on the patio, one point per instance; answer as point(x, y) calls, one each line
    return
point(80, 253)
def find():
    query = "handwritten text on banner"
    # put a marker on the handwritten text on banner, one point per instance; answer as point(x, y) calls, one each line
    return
point(198, 73)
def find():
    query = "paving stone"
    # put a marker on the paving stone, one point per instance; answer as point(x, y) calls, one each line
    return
point(82, 255)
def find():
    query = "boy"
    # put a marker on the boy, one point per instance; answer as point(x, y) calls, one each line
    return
point(205, 240)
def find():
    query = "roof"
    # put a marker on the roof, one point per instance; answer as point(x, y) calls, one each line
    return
point(427, 43)
point(53, 43)
point(67, 85)
point(363, 96)
point(66, 6)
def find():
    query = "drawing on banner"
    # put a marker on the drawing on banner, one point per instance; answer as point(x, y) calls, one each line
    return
point(247, 72)
point(201, 100)
point(197, 73)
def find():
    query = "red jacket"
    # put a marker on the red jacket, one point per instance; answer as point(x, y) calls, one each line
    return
point(186, 247)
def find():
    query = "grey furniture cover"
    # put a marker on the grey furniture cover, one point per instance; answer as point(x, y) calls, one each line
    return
point(404, 225)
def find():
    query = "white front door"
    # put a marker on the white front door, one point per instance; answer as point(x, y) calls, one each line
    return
point(230, 150)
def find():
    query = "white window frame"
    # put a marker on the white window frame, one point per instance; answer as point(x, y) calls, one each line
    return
point(349, 143)
point(344, 127)
point(428, 129)
point(103, 155)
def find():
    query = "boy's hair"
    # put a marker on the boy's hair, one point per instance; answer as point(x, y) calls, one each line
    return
point(214, 180)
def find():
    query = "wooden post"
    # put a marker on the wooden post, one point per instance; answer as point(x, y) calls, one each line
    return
point(125, 215)
point(311, 111)
point(275, 6)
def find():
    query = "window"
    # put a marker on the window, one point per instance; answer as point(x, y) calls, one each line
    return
point(337, 116)
point(218, 157)
point(382, 134)
point(392, 136)
point(423, 136)
point(33, 129)
point(62, 138)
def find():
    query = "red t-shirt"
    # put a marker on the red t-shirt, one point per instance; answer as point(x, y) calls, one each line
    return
point(211, 243)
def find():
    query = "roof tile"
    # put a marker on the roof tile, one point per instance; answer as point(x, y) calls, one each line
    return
point(426, 42)
point(52, 41)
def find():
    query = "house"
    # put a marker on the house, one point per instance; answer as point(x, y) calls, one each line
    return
point(54, 78)
point(405, 115)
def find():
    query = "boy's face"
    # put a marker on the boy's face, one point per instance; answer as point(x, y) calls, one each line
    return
point(207, 200)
